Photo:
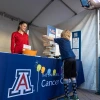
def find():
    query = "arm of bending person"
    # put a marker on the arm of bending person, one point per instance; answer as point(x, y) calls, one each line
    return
point(93, 5)
point(89, 8)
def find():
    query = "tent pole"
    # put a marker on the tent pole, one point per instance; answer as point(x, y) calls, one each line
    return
point(68, 7)
point(97, 56)
point(28, 29)
point(40, 12)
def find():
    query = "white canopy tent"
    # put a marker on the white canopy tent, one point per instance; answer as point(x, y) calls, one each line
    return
point(41, 12)
point(59, 13)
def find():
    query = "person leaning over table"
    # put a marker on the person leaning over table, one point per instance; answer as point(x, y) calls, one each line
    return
point(69, 62)
point(94, 4)
point(19, 38)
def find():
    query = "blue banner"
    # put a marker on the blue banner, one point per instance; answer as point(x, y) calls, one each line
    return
point(32, 78)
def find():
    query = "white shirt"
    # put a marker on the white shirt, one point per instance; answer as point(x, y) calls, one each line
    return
point(96, 1)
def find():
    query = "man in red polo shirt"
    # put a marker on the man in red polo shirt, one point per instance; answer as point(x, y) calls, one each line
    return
point(19, 38)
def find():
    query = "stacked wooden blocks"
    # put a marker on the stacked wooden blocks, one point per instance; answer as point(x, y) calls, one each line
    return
point(49, 48)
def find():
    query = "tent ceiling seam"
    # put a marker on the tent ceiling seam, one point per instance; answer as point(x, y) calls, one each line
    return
point(68, 7)
point(40, 12)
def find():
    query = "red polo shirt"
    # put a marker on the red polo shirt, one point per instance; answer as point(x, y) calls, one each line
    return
point(17, 41)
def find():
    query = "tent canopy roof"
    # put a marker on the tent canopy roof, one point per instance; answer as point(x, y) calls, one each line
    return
point(41, 12)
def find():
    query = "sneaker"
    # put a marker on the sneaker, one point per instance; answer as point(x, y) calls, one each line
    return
point(64, 98)
point(74, 97)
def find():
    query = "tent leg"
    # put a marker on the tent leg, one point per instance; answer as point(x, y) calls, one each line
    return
point(97, 57)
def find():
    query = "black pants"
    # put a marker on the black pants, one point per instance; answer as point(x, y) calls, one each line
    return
point(69, 68)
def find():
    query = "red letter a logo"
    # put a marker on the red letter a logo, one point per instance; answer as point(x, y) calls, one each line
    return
point(22, 82)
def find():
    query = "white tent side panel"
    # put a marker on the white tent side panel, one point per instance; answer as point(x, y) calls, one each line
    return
point(35, 36)
point(86, 22)
point(7, 26)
